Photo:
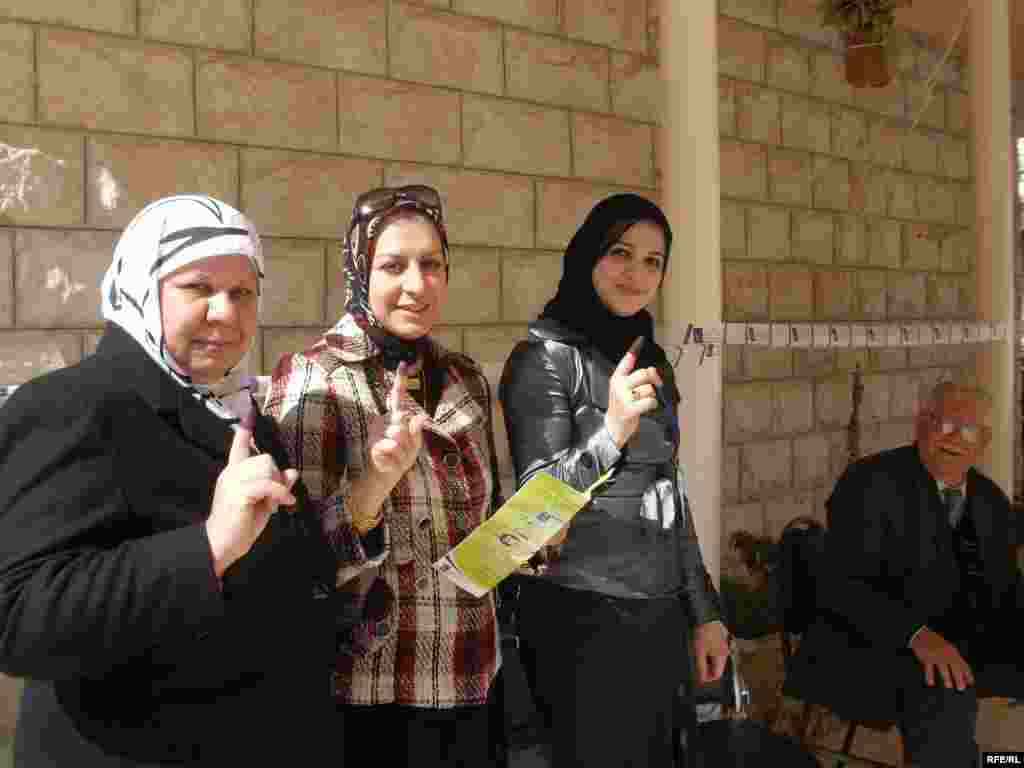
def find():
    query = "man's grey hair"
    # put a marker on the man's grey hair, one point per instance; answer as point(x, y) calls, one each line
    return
point(947, 389)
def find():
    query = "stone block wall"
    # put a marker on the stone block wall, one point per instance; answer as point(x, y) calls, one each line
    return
point(834, 208)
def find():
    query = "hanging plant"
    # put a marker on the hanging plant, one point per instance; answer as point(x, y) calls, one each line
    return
point(866, 25)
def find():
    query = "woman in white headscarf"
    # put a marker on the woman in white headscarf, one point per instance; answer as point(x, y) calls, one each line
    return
point(162, 611)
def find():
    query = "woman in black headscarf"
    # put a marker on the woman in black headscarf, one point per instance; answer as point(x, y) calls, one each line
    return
point(604, 626)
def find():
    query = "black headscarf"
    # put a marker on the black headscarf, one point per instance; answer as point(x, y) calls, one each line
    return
point(357, 248)
point(576, 303)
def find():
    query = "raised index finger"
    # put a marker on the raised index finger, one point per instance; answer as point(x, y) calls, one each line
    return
point(398, 389)
point(240, 450)
point(628, 361)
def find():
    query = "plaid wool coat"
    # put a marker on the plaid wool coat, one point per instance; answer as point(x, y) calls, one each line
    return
point(445, 652)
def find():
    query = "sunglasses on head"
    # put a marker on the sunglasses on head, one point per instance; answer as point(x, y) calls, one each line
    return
point(382, 199)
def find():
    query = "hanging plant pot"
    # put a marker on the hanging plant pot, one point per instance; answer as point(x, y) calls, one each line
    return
point(867, 64)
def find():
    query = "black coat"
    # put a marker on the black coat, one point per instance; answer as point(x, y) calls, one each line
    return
point(107, 586)
point(889, 569)
point(554, 393)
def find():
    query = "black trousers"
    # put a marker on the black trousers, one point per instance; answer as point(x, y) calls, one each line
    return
point(605, 674)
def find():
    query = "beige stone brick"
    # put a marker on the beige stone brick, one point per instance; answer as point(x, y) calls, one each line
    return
point(851, 240)
point(958, 112)
point(890, 100)
point(954, 158)
point(613, 150)
point(446, 49)
point(294, 290)
point(732, 363)
point(834, 294)
point(744, 292)
point(791, 293)
point(813, 237)
point(885, 243)
point(871, 294)
point(964, 197)
point(848, 360)
point(726, 107)
point(885, 142)
point(310, 31)
point(507, 135)
point(336, 291)
point(831, 188)
point(887, 358)
point(479, 208)
point(278, 342)
point(730, 474)
point(903, 395)
point(766, 469)
point(104, 15)
point(17, 86)
point(126, 173)
point(906, 295)
point(474, 288)
point(934, 110)
point(833, 401)
point(560, 72)
point(760, 12)
point(957, 252)
point(922, 357)
point(936, 201)
point(492, 343)
point(811, 363)
point(225, 24)
point(536, 14)
point(637, 88)
point(27, 354)
point(875, 406)
point(803, 19)
point(828, 78)
point(805, 124)
point(528, 280)
point(296, 194)
point(742, 517)
point(114, 83)
point(789, 177)
point(765, 363)
point(757, 114)
point(734, 231)
point(57, 276)
point(943, 297)
point(563, 205)
point(849, 134)
point(6, 279)
point(921, 152)
point(793, 407)
point(249, 101)
point(811, 461)
point(901, 194)
point(742, 170)
point(922, 247)
point(41, 181)
point(91, 341)
point(742, 50)
point(747, 411)
point(967, 300)
point(768, 233)
point(778, 512)
point(868, 191)
point(399, 120)
point(616, 23)
point(788, 65)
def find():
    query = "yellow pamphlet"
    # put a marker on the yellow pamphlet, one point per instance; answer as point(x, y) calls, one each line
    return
point(512, 535)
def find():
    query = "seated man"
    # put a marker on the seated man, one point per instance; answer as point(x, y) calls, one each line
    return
point(920, 597)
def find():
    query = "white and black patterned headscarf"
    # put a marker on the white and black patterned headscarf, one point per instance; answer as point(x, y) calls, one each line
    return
point(163, 237)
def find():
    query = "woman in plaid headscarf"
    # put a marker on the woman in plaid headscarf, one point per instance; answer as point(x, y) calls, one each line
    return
point(392, 434)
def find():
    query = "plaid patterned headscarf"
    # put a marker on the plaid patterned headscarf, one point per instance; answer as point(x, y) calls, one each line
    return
point(163, 237)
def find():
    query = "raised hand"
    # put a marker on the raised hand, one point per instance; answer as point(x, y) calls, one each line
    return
point(395, 437)
point(937, 654)
point(249, 490)
point(630, 394)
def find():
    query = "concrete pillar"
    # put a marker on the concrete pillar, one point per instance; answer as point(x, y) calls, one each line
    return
point(693, 286)
point(989, 63)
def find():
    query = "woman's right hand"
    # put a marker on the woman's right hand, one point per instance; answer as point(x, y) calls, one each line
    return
point(630, 394)
point(396, 436)
point(249, 490)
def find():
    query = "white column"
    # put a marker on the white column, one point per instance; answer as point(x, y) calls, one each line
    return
point(693, 286)
point(989, 63)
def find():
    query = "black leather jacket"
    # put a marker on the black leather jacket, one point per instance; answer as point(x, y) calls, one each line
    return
point(636, 539)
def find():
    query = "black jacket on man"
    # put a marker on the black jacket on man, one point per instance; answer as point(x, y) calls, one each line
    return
point(889, 568)
point(107, 588)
